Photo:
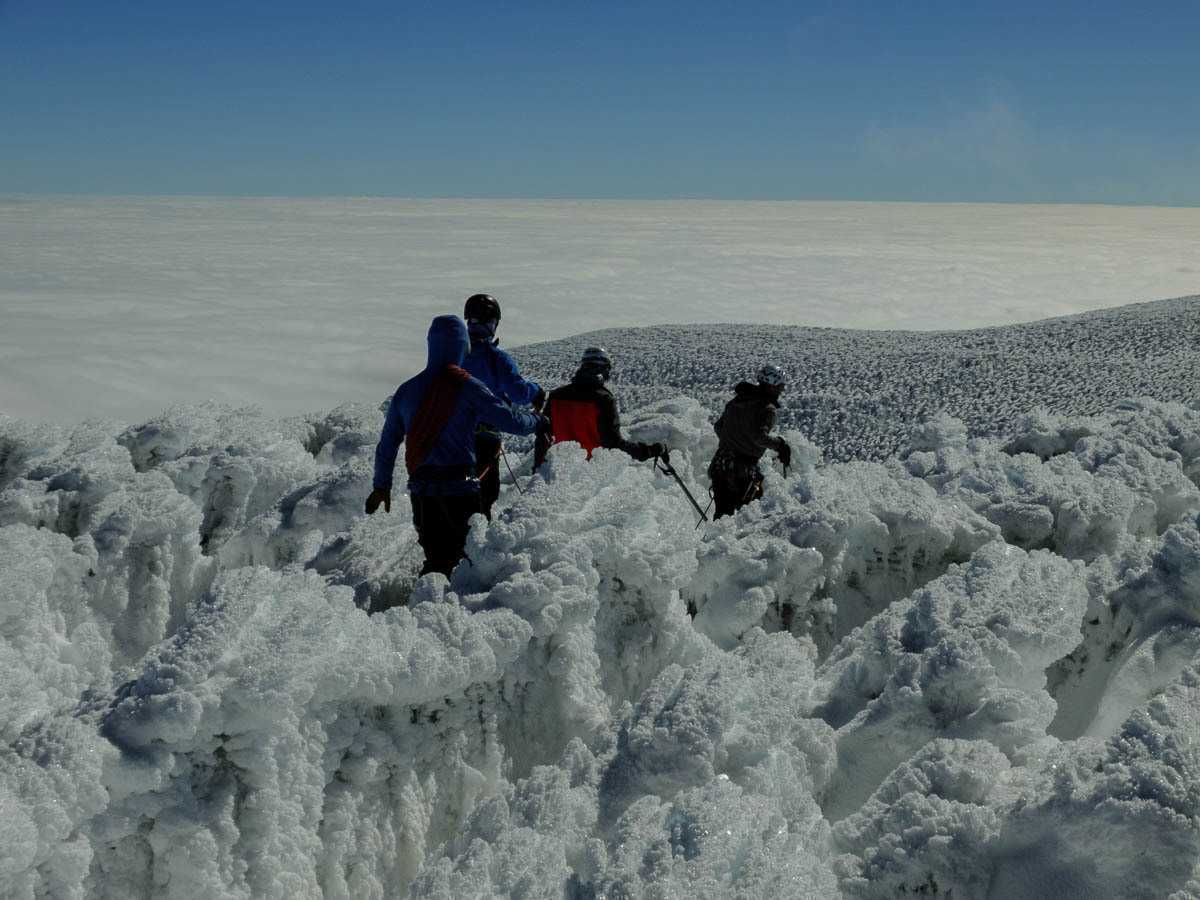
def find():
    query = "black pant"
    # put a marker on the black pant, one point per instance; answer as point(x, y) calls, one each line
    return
point(442, 524)
point(487, 470)
point(734, 485)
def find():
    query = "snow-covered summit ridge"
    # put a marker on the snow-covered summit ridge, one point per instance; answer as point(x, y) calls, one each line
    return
point(954, 673)
point(856, 393)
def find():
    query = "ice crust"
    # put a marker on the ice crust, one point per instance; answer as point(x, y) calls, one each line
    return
point(970, 670)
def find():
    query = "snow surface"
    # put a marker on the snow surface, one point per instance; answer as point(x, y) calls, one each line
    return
point(856, 394)
point(971, 670)
point(297, 305)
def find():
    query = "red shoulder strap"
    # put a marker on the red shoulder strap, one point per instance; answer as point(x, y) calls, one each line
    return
point(437, 406)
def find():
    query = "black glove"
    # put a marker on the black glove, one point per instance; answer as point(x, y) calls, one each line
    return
point(658, 451)
point(785, 453)
point(378, 496)
point(539, 400)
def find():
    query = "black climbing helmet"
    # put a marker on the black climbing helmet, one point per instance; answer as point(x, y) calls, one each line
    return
point(596, 363)
point(596, 358)
point(482, 308)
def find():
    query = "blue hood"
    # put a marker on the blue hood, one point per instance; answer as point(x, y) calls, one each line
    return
point(448, 342)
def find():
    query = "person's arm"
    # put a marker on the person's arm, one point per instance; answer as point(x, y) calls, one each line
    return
point(493, 411)
point(516, 388)
point(541, 447)
point(761, 437)
point(389, 444)
point(385, 457)
point(610, 432)
point(768, 441)
point(608, 420)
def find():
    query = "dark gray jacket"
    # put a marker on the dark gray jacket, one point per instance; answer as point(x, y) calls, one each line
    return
point(744, 428)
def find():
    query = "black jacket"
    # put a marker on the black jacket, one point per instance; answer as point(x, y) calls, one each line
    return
point(744, 428)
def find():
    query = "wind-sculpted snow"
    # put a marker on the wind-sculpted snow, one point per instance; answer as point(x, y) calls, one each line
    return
point(856, 394)
point(971, 670)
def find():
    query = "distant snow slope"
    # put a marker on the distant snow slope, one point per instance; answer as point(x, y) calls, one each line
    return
point(970, 671)
point(856, 394)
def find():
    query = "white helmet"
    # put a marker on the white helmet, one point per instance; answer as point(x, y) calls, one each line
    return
point(771, 376)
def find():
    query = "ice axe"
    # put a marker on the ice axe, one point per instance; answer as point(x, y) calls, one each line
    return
point(669, 469)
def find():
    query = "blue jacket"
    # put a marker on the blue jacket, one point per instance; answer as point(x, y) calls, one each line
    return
point(455, 445)
point(498, 371)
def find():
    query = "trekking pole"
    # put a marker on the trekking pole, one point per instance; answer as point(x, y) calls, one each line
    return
point(712, 498)
point(508, 465)
point(670, 470)
point(749, 491)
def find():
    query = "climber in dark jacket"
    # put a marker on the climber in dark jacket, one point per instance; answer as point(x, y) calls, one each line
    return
point(585, 411)
point(436, 414)
point(495, 368)
point(744, 434)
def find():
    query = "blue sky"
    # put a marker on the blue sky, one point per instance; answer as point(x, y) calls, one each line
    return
point(1023, 101)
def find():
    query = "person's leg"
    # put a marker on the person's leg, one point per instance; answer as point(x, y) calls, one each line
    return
point(443, 533)
point(487, 470)
point(757, 485)
point(716, 482)
point(458, 513)
point(745, 488)
point(425, 531)
point(725, 495)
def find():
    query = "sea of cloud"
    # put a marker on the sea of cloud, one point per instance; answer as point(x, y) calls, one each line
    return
point(957, 672)
point(115, 307)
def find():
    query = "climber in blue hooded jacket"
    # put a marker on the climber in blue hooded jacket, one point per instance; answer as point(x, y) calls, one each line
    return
point(495, 368)
point(436, 415)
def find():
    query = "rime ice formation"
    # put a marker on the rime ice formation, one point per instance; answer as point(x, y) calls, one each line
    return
point(856, 393)
point(970, 670)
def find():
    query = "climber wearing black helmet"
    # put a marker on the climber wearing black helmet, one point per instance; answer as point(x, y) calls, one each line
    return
point(744, 433)
point(585, 411)
point(496, 369)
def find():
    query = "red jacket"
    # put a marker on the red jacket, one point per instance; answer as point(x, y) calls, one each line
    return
point(585, 412)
